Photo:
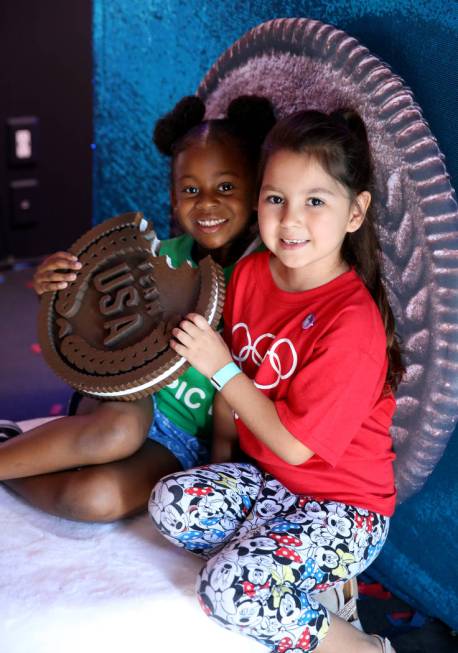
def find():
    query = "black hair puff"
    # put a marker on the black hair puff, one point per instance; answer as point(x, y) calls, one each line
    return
point(186, 114)
point(253, 117)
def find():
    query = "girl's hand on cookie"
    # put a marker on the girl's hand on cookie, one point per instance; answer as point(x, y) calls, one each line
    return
point(55, 272)
point(203, 347)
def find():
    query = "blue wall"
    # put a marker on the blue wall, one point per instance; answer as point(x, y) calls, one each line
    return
point(148, 54)
point(419, 559)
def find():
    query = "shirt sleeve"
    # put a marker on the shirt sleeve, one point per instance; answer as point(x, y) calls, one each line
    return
point(330, 397)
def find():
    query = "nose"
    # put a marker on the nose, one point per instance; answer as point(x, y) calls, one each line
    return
point(290, 216)
point(206, 198)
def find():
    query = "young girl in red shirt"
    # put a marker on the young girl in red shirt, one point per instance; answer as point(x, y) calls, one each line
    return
point(305, 374)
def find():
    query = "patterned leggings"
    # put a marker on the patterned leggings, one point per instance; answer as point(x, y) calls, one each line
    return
point(267, 549)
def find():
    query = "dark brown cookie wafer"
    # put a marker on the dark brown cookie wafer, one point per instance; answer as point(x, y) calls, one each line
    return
point(107, 334)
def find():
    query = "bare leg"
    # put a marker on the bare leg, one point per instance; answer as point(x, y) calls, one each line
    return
point(342, 637)
point(113, 431)
point(100, 493)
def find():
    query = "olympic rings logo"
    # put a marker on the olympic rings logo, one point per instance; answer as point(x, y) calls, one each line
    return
point(271, 353)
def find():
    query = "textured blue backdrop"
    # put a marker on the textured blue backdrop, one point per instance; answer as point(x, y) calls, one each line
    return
point(148, 54)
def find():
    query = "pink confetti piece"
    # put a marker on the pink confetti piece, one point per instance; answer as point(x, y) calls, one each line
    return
point(35, 348)
point(56, 409)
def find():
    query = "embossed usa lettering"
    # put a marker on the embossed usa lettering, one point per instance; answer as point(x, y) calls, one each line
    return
point(118, 278)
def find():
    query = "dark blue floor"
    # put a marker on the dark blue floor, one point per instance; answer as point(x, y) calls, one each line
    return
point(411, 632)
point(28, 388)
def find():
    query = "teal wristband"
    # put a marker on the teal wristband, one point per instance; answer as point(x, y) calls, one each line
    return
point(224, 375)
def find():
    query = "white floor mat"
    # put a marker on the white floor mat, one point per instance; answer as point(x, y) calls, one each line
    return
point(67, 587)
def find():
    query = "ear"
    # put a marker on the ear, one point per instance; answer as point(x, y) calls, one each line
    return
point(358, 211)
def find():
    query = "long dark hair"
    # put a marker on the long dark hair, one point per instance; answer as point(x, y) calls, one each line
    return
point(339, 142)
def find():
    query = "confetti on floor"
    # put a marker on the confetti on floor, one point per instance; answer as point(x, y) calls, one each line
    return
point(56, 409)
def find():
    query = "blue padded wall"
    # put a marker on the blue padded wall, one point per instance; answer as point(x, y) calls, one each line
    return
point(419, 559)
point(148, 54)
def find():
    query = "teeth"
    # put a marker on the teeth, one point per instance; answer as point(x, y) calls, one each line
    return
point(210, 223)
point(293, 242)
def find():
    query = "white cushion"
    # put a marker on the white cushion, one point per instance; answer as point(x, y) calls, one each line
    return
point(119, 588)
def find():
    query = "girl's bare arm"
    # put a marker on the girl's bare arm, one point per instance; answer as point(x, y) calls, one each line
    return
point(259, 414)
point(207, 352)
point(224, 445)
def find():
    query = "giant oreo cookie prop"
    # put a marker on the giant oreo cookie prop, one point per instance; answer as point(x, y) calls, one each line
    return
point(300, 63)
point(107, 334)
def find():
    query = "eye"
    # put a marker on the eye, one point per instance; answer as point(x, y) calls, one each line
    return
point(190, 190)
point(274, 199)
point(315, 201)
point(225, 187)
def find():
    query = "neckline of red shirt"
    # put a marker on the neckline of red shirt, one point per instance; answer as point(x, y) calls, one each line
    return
point(265, 278)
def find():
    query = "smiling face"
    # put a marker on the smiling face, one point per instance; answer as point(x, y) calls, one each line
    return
point(304, 215)
point(213, 193)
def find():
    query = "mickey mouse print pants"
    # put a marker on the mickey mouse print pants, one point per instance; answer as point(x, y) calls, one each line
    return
point(268, 551)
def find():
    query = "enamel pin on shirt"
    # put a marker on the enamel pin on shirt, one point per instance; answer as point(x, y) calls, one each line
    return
point(309, 321)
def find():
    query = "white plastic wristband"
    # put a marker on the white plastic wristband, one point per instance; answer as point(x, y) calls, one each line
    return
point(224, 375)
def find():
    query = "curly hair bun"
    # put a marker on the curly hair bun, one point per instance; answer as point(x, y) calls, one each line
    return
point(187, 113)
point(252, 115)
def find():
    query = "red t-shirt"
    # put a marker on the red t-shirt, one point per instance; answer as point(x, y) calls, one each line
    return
point(320, 355)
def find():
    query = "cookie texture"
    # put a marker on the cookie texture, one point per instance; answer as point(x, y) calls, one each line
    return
point(107, 334)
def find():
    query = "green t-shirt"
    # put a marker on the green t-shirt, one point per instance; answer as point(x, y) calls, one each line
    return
point(188, 401)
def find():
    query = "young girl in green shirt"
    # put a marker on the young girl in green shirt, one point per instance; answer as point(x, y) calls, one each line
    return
point(100, 463)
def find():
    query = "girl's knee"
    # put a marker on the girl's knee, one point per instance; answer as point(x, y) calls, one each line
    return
point(164, 506)
point(88, 497)
point(112, 433)
point(227, 604)
point(218, 589)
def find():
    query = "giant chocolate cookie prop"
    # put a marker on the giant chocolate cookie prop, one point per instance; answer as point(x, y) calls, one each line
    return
point(301, 63)
point(107, 334)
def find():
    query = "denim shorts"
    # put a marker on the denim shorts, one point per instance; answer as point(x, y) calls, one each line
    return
point(187, 448)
